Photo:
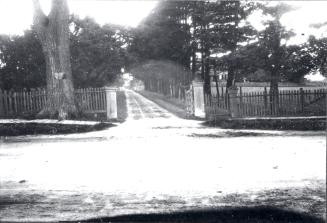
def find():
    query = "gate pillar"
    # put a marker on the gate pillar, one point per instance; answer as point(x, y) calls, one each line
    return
point(111, 99)
point(199, 109)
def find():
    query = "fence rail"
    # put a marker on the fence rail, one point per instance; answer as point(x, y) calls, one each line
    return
point(257, 104)
point(16, 104)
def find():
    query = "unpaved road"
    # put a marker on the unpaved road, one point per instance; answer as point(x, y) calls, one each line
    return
point(157, 162)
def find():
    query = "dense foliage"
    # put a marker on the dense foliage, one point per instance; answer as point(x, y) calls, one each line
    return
point(192, 33)
point(97, 56)
point(22, 62)
point(98, 53)
point(188, 32)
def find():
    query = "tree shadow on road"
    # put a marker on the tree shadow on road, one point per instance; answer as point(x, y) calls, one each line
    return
point(230, 215)
point(31, 128)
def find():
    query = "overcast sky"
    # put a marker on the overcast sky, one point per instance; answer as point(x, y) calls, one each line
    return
point(16, 15)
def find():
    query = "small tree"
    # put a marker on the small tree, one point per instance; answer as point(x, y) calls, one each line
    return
point(53, 33)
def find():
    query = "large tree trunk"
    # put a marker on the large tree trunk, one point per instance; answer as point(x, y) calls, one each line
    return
point(53, 33)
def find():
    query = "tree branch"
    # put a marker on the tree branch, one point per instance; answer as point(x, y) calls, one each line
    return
point(39, 19)
point(59, 6)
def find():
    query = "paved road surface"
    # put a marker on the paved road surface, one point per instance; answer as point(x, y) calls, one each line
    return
point(157, 162)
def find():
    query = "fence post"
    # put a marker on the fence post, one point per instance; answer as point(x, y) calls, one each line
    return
point(15, 104)
point(265, 100)
point(302, 100)
point(233, 102)
point(2, 110)
point(5, 102)
point(10, 102)
point(111, 99)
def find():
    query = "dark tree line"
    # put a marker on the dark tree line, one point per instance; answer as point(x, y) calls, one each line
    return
point(190, 33)
point(97, 55)
point(161, 49)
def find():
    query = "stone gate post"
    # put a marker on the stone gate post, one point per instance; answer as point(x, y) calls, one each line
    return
point(199, 109)
point(111, 97)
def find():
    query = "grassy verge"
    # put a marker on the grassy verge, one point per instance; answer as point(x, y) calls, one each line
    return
point(30, 128)
point(271, 124)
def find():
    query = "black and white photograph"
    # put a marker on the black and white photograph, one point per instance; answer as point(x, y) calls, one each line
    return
point(163, 111)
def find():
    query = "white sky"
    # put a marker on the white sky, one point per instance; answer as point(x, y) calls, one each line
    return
point(16, 15)
point(299, 20)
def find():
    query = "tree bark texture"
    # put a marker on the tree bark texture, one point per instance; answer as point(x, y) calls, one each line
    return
point(53, 33)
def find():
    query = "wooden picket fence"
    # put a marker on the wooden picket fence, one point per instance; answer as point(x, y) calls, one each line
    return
point(91, 100)
point(30, 102)
point(259, 104)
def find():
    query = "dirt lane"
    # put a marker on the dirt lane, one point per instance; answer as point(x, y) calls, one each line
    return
point(140, 107)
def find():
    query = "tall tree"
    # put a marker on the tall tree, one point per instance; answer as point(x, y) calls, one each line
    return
point(233, 29)
point(53, 33)
point(271, 40)
point(165, 36)
point(219, 28)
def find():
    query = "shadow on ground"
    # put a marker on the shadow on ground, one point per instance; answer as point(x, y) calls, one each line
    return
point(230, 215)
point(227, 134)
point(30, 128)
point(300, 124)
